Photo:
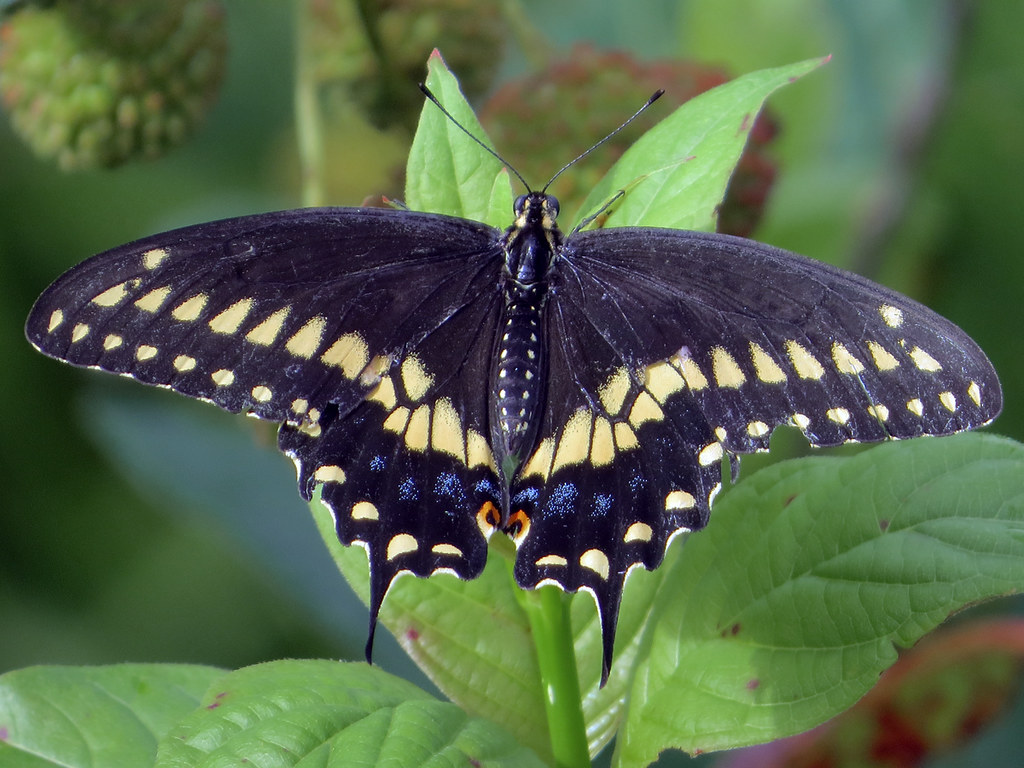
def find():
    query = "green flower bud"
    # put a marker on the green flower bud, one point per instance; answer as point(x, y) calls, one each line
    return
point(95, 83)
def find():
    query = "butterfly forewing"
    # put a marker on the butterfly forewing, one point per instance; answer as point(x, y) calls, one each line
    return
point(276, 314)
point(763, 337)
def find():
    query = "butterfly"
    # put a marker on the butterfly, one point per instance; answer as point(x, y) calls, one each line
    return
point(441, 380)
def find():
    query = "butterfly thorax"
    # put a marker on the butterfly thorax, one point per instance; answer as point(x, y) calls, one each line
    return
point(530, 245)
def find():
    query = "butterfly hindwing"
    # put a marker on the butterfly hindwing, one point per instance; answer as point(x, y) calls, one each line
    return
point(619, 469)
point(409, 473)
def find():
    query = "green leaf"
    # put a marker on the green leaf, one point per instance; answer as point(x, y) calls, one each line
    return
point(447, 171)
point(677, 173)
point(94, 717)
point(329, 713)
point(788, 607)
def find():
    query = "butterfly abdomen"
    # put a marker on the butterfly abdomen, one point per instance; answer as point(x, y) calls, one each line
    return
point(519, 367)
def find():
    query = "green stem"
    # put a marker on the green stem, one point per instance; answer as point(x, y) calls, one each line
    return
point(308, 119)
point(548, 611)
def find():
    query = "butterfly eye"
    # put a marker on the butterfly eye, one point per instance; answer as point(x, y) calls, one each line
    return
point(551, 206)
point(520, 204)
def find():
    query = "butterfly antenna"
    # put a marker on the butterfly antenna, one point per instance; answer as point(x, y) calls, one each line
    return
point(427, 92)
point(654, 97)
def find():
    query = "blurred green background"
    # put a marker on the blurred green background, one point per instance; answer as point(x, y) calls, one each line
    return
point(137, 526)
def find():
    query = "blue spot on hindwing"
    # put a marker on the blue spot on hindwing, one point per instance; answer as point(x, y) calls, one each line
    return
point(561, 499)
point(486, 487)
point(450, 486)
point(408, 490)
point(525, 495)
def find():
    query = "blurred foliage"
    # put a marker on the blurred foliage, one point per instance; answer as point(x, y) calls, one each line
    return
point(96, 83)
point(137, 527)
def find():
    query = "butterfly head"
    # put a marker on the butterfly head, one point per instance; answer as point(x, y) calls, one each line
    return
point(533, 240)
point(536, 210)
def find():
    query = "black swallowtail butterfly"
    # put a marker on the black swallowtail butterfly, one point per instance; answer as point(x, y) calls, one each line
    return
point(443, 379)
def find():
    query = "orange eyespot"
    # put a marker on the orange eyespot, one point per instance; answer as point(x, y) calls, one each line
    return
point(518, 525)
point(488, 518)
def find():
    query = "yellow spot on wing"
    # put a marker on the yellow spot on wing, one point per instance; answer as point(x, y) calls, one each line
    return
point(190, 309)
point(112, 296)
point(266, 332)
point(402, 544)
point(223, 377)
point(695, 379)
point(384, 393)
point(838, 415)
point(974, 392)
point(613, 392)
point(329, 473)
point(446, 433)
point(417, 433)
point(184, 363)
point(765, 367)
point(710, 453)
point(915, 406)
point(602, 443)
point(113, 341)
point(924, 361)
point(800, 421)
point(884, 361)
point(350, 353)
point(725, 369)
point(79, 332)
point(844, 360)
point(574, 440)
point(232, 317)
point(56, 318)
point(638, 532)
point(679, 500)
point(262, 393)
point(306, 341)
point(415, 380)
point(153, 300)
point(644, 409)
point(556, 560)
point(625, 437)
point(397, 419)
point(478, 451)
point(879, 412)
point(300, 405)
point(365, 510)
point(596, 561)
point(446, 549)
point(540, 463)
point(893, 316)
point(151, 259)
point(948, 400)
point(757, 429)
point(804, 363)
point(662, 381)
point(145, 352)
